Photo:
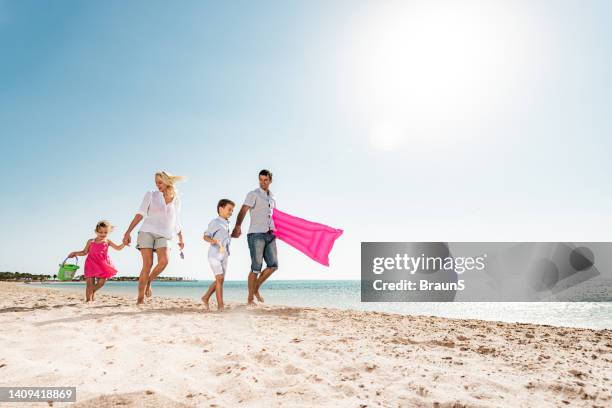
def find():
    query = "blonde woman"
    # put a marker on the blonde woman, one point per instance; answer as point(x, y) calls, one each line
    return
point(161, 210)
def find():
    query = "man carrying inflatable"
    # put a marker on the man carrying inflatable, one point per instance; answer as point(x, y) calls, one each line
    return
point(260, 203)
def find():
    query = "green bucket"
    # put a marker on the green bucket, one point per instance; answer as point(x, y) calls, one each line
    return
point(67, 271)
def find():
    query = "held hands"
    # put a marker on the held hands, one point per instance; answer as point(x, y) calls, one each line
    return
point(181, 245)
point(236, 232)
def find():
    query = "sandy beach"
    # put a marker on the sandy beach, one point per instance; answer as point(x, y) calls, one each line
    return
point(170, 353)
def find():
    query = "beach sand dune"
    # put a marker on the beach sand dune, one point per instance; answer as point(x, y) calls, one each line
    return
point(169, 353)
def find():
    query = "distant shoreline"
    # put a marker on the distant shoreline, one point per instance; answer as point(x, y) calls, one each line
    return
point(45, 282)
point(346, 295)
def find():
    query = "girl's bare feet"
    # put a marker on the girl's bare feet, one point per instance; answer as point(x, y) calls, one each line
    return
point(205, 301)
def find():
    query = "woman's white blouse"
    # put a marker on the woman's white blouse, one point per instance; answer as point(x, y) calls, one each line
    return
point(159, 217)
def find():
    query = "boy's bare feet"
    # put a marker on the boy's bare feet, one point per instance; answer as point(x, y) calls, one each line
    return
point(259, 297)
point(205, 301)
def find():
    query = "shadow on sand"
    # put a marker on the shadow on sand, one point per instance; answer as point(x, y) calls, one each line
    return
point(280, 311)
point(32, 308)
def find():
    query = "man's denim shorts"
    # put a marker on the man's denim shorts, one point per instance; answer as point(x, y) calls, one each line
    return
point(262, 246)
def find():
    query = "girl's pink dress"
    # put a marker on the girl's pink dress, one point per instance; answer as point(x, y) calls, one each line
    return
point(98, 264)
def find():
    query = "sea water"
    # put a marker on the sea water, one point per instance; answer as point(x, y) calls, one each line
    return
point(347, 295)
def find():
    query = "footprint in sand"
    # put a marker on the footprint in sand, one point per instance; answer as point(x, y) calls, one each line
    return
point(200, 341)
point(290, 369)
point(265, 358)
point(346, 389)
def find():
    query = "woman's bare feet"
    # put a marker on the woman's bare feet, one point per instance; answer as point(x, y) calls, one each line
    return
point(260, 299)
point(148, 290)
point(205, 301)
point(220, 308)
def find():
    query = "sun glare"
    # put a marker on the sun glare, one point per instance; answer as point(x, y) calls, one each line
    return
point(426, 70)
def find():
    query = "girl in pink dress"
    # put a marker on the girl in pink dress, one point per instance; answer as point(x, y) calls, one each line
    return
point(98, 266)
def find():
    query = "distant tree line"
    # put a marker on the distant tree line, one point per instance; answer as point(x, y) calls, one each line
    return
point(24, 276)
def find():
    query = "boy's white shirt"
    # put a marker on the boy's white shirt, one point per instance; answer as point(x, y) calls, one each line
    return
point(219, 229)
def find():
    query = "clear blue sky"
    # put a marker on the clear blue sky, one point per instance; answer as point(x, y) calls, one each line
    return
point(397, 121)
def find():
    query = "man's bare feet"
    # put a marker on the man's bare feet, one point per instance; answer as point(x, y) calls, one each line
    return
point(205, 301)
point(259, 297)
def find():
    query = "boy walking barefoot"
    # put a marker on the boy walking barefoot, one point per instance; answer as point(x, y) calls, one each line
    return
point(218, 236)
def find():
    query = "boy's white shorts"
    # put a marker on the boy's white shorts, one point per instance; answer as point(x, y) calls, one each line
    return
point(218, 267)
